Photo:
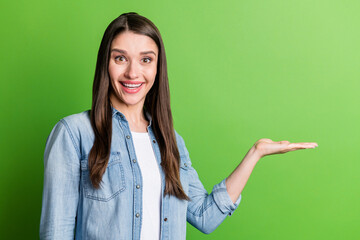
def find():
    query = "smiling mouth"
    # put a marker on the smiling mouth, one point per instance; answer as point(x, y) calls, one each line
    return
point(131, 86)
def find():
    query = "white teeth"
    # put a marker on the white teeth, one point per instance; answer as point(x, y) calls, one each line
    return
point(131, 85)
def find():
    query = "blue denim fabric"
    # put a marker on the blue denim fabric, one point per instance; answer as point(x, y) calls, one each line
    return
point(72, 208)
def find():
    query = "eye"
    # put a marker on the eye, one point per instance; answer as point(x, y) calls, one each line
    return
point(120, 58)
point(147, 60)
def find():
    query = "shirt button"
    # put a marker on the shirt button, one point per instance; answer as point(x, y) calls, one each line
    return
point(137, 215)
point(185, 164)
point(154, 141)
point(165, 219)
point(138, 186)
point(128, 137)
point(134, 160)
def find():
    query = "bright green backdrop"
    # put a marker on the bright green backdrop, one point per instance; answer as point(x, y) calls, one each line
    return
point(238, 70)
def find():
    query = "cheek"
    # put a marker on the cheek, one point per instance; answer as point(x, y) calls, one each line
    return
point(114, 71)
point(151, 74)
point(111, 72)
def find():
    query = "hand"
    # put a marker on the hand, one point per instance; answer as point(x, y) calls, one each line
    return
point(265, 146)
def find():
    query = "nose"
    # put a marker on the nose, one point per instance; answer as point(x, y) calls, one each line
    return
point(132, 71)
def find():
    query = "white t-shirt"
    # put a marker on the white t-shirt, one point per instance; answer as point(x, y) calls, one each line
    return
point(151, 189)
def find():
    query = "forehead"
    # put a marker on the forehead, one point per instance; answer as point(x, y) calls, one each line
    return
point(133, 42)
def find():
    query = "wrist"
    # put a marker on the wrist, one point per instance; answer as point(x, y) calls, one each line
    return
point(254, 154)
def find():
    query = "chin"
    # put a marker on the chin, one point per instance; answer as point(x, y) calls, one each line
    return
point(131, 101)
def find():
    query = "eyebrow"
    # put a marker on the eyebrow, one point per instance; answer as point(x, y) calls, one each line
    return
point(123, 51)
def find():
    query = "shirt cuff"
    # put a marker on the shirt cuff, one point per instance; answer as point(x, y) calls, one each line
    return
point(223, 200)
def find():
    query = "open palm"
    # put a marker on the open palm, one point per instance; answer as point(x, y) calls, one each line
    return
point(266, 146)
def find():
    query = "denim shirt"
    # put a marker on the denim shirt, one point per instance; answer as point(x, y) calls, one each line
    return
point(72, 208)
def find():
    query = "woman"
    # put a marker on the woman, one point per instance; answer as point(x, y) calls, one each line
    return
point(121, 171)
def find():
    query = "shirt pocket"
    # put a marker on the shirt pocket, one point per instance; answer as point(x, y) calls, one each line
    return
point(113, 180)
point(185, 165)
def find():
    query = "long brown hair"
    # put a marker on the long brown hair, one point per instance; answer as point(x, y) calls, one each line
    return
point(157, 103)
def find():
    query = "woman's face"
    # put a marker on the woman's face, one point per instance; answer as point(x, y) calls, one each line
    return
point(132, 68)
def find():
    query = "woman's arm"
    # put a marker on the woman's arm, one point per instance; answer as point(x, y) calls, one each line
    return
point(235, 183)
point(204, 211)
point(207, 211)
point(61, 184)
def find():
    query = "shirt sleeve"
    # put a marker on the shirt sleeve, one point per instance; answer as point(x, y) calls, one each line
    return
point(61, 184)
point(206, 211)
point(223, 200)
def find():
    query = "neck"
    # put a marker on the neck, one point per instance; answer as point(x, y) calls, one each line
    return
point(133, 113)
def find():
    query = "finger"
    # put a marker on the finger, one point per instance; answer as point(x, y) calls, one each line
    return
point(296, 146)
point(312, 143)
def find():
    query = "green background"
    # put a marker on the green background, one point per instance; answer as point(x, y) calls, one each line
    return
point(238, 70)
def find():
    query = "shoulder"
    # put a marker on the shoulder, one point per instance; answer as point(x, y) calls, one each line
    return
point(68, 131)
point(78, 121)
point(179, 138)
point(77, 118)
point(181, 144)
point(76, 125)
point(74, 121)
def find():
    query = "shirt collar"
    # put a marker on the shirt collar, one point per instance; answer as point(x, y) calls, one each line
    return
point(116, 112)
